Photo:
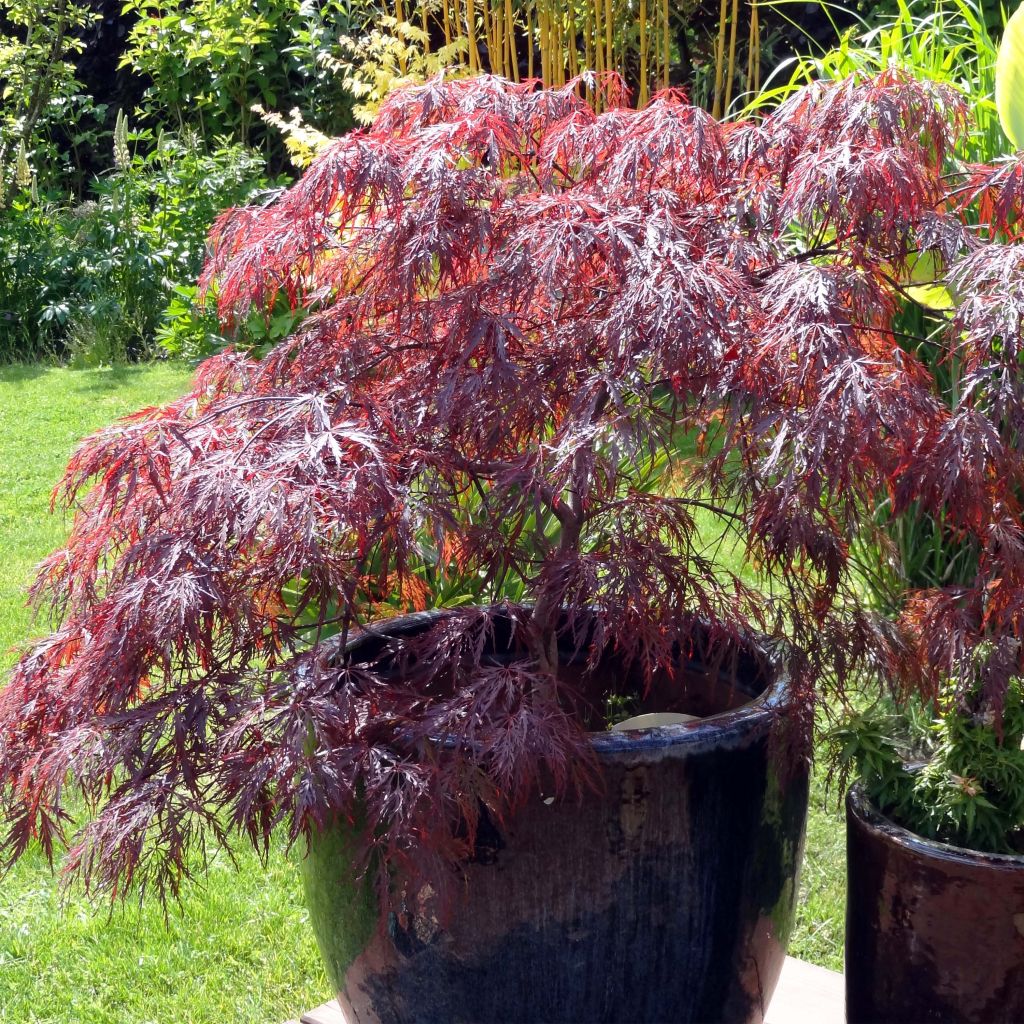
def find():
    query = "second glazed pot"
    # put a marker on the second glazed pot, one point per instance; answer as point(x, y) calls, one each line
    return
point(934, 933)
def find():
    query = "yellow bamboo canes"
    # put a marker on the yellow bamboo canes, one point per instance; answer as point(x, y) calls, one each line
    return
point(400, 18)
point(552, 22)
point(499, 37)
point(426, 26)
point(447, 23)
point(668, 40)
point(574, 57)
point(529, 40)
point(457, 27)
point(485, 26)
point(756, 33)
point(542, 32)
point(474, 53)
point(752, 45)
point(513, 56)
point(588, 28)
point(550, 16)
point(498, 19)
point(609, 28)
point(716, 107)
point(642, 98)
point(559, 46)
point(732, 56)
point(748, 78)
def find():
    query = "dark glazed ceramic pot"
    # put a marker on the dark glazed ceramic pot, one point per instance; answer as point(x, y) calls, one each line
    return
point(934, 933)
point(667, 896)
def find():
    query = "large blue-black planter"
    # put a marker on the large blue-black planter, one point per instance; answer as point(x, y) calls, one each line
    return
point(667, 896)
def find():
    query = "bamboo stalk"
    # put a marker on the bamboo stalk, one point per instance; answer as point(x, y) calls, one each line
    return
point(447, 23)
point(498, 17)
point(668, 40)
point(529, 40)
point(752, 41)
point(559, 43)
point(756, 19)
point(609, 28)
point(485, 25)
point(400, 18)
point(732, 56)
point(642, 98)
point(499, 37)
point(426, 26)
point(588, 28)
point(574, 57)
point(474, 53)
point(542, 25)
point(513, 56)
point(716, 107)
point(598, 52)
point(552, 47)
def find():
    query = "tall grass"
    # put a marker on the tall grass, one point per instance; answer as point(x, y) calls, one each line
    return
point(945, 41)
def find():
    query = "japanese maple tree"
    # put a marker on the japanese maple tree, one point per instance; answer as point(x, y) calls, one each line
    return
point(551, 360)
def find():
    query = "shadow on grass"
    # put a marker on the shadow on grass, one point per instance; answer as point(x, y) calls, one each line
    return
point(81, 380)
point(18, 373)
point(109, 379)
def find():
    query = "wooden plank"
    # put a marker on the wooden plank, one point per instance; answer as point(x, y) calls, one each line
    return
point(329, 1013)
point(806, 994)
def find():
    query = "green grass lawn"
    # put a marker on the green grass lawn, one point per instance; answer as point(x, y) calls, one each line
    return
point(239, 949)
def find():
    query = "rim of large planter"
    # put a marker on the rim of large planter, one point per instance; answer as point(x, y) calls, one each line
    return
point(863, 808)
point(720, 728)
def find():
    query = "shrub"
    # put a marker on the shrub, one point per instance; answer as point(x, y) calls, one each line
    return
point(91, 279)
point(37, 265)
point(44, 105)
point(953, 778)
point(211, 61)
point(519, 316)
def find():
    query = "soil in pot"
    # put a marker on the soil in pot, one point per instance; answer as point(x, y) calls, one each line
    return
point(934, 932)
point(665, 895)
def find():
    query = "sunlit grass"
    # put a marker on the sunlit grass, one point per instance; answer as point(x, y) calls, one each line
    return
point(239, 949)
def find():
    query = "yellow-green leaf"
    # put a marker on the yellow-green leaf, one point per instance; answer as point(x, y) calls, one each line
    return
point(924, 284)
point(1010, 79)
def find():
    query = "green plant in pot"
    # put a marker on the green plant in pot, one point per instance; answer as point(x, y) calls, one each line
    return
point(580, 419)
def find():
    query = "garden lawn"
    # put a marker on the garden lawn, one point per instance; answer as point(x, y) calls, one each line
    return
point(239, 949)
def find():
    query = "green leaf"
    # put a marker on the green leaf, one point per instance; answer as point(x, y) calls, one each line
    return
point(1010, 79)
point(925, 286)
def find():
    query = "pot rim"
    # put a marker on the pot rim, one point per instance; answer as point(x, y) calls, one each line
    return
point(775, 698)
point(860, 807)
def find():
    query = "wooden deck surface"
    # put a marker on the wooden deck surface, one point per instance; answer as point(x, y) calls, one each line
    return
point(806, 994)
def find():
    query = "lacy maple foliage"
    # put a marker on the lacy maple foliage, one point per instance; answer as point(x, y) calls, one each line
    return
point(551, 362)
